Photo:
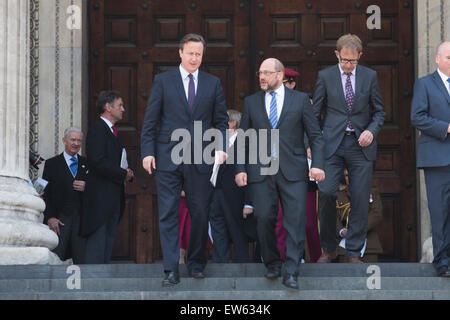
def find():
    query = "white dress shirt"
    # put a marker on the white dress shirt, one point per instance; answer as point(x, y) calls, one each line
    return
point(185, 78)
point(109, 123)
point(280, 100)
point(344, 78)
point(444, 79)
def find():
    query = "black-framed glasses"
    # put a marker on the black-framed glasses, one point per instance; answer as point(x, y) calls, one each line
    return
point(345, 61)
point(265, 73)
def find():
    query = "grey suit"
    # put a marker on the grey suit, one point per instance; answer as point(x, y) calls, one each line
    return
point(430, 113)
point(289, 184)
point(343, 151)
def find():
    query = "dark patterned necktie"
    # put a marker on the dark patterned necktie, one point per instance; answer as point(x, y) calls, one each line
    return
point(191, 92)
point(349, 97)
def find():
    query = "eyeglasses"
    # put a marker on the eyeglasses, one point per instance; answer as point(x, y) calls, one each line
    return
point(265, 73)
point(345, 61)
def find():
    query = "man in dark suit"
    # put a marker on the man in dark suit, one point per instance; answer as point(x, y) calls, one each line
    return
point(105, 187)
point(430, 113)
point(289, 112)
point(66, 175)
point(231, 213)
point(177, 99)
point(354, 114)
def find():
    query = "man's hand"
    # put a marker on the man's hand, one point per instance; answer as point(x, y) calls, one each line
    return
point(365, 139)
point(79, 185)
point(448, 129)
point(317, 174)
point(54, 224)
point(149, 163)
point(246, 212)
point(241, 179)
point(222, 156)
point(130, 175)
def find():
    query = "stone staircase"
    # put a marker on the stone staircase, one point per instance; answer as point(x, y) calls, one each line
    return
point(399, 281)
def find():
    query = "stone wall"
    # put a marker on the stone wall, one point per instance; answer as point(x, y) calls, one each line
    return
point(60, 69)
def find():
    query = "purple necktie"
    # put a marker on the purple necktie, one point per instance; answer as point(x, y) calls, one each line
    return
point(349, 97)
point(191, 92)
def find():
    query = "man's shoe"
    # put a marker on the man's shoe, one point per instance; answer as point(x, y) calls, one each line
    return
point(197, 274)
point(327, 257)
point(290, 281)
point(443, 271)
point(273, 273)
point(170, 279)
point(354, 260)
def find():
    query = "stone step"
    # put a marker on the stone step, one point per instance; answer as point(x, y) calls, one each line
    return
point(214, 270)
point(247, 295)
point(221, 284)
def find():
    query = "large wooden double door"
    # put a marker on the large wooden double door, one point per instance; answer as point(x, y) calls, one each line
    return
point(132, 41)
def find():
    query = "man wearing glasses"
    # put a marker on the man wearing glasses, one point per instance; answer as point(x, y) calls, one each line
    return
point(289, 112)
point(349, 96)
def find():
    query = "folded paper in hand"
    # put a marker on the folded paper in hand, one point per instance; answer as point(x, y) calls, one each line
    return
point(215, 171)
point(40, 185)
point(123, 161)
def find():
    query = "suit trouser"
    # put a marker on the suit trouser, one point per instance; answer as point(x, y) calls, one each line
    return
point(348, 155)
point(292, 195)
point(69, 240)
point(99, 244)
point(198, 191)
point(226, 227)
point(437, 181)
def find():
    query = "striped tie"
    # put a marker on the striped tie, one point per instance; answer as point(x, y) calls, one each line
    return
point(74, 166)
point(273, 117)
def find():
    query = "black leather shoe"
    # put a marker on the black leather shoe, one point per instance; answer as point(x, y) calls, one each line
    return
point(443, 271)
point(197, 274)
point(273, 273)
point(290, 281)
point(170, 279)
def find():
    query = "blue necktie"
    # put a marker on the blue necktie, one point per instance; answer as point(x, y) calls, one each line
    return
point(448, 80)
point(74, 166)
point(273, 117)
point(191, 92)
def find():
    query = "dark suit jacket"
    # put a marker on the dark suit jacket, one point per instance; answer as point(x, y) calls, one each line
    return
point(59, 191)
point(296, 117)
point(236, 197)
point(367, 110)
point(168, 106)
point(430, 113)
point(105, 187)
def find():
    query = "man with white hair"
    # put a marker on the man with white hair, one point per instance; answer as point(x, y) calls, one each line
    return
point(430, 113)
point(66, 174)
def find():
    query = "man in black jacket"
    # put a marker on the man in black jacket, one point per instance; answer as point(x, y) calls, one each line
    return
point(105, 187)
point(66, 174)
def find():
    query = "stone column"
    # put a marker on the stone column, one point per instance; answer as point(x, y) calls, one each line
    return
point(23, 237)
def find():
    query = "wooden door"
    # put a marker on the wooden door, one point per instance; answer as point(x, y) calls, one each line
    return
point(131, 41)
